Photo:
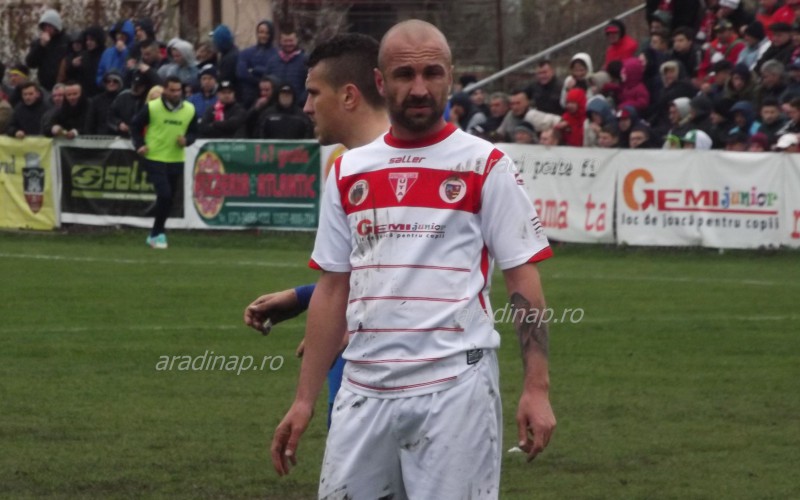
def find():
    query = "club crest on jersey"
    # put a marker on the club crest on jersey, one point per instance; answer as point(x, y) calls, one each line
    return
point(401, 183)
point(453, 190)
point(358, 192)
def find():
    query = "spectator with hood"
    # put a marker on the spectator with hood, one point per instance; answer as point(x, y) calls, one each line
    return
point(572, 121)
point(144, 33)
point(289, 64)
point(116, 56)
point(285, 119)
point(183, 65)
point(69, 69)
point(741, 86)
point(464, 114)
point(599, 113)
point(679, 116)
point(580, 69)
point(744, 119)
point(675, 85)
point(47, 51)
point(251, 66)
point(228, 53)
point(700, 108)
point(632, 91)
point(620, 45)
point(94, 44)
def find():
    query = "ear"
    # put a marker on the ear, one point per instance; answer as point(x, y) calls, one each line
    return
point(349, 96)
point(379, 82)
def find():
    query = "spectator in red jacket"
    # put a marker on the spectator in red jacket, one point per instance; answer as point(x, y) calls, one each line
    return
point(726, 46)
point(620, 45)
point(774, 11)
point(634, 92)
point(572, 123)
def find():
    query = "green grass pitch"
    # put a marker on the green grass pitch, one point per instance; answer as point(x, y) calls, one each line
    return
point(681, 381)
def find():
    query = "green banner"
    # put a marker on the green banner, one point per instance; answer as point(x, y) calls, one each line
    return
point(257, 184)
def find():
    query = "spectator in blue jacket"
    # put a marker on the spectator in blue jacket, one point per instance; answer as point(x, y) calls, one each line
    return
point(116, 56)
point(207, 96)
point(289, 64)
point(252, 64)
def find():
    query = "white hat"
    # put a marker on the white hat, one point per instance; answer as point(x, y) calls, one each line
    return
point(787, 140)
point(731, 4)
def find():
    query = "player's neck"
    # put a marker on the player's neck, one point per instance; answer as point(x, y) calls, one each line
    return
point(411, 136)
point(369, 127)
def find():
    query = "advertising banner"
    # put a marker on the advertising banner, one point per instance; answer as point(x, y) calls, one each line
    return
point(239, 184)
point(791, 216)
point(27, 184)
point(571, 188)
point(699, 198)
point(104, 182)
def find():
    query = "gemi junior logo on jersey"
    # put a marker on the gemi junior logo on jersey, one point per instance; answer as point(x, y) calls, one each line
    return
point(402, 182)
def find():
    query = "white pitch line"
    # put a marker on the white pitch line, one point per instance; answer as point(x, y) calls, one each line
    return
point(680, 317)
point(109, 260)
point(140, 328)
point(677, 279)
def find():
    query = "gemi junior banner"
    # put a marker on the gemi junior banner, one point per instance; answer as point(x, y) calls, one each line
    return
point(104, 182)
point(27, 184)
point(240, 184)
point(791, 218)
point(571, 188)
point(700, 198)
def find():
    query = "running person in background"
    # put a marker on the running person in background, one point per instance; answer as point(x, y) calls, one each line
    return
point(410, 226)
point(346, 108)
point(160, 133)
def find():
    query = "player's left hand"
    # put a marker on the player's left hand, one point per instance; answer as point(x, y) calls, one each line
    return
point(287, 436)
point(535, 422)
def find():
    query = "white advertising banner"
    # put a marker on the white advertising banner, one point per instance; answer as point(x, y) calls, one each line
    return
point(790, 224)
point(699, 198)
point(571, 188)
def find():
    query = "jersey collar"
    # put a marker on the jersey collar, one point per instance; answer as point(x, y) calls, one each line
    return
point(430, 140)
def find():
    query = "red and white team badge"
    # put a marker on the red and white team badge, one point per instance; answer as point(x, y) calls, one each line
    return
point(358, 192)
point(453, 190)
point(402, 182)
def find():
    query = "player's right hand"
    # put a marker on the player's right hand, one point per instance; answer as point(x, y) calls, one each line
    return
point(287, 436)
point(276, 307)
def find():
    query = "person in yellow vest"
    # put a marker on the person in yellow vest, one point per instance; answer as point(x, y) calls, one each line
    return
point(159, 133)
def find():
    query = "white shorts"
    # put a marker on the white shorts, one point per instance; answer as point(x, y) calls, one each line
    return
point(445, 445)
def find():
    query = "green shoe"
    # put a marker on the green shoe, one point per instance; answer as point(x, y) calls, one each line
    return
point(159, 242)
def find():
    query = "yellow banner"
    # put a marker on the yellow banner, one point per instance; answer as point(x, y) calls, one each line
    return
point(27, 184)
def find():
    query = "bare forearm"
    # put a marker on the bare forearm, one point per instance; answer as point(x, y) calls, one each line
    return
point(533, 337)
point(324, 329)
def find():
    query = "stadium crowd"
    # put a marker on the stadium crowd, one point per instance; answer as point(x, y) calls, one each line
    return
point(710, 75)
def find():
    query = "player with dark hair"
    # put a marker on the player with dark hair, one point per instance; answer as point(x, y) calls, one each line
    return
point(346, 108)
point(171, 125)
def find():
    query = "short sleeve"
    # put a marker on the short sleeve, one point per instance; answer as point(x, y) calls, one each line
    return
point(333, 244)
point(509, 223)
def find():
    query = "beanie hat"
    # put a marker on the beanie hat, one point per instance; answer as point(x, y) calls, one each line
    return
point(731, 4)
point(208, 69)
point(53, 18)
point(756, 30)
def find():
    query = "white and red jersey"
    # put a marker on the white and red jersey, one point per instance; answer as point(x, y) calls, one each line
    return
point(419, 226)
